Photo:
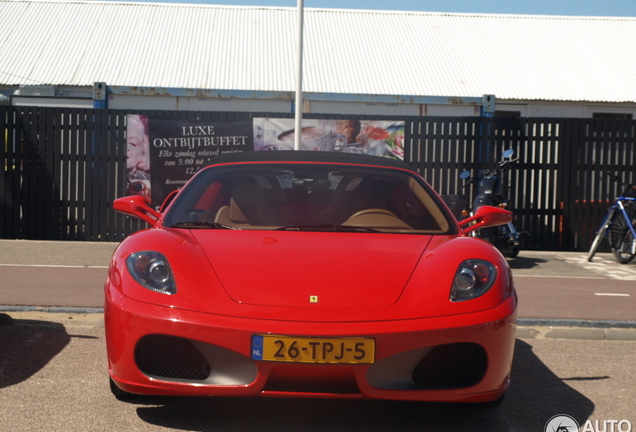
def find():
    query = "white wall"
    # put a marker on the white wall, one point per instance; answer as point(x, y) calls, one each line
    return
point(51, 102)
point(172, 103)
point(564, 109)
point(557, 109)
point(285, 106)
point(525, 108)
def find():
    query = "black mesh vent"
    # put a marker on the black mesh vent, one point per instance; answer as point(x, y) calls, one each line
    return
point(171, 357)
point(451, 366)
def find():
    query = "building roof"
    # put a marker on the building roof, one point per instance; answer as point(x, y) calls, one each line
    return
point(364, 52)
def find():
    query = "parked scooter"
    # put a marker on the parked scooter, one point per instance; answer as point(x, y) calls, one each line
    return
point(489, 191)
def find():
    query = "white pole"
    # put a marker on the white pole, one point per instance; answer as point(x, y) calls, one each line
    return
point(299, 80)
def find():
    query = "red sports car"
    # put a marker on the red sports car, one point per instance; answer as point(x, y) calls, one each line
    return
point(309, 274)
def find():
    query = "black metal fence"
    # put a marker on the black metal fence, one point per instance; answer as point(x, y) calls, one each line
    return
point(63, 167)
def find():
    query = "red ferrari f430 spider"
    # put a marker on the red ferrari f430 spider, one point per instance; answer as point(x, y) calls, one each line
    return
point(309, 274)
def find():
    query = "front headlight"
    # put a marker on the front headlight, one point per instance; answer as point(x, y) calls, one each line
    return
point(474, 277)
point(152, 271)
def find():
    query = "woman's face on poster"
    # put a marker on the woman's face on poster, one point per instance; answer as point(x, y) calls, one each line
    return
point(137, 154)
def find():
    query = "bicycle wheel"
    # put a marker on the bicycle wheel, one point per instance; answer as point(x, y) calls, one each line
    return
point(621, 240)
point(600, 234)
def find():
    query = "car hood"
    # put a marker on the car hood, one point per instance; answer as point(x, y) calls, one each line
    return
point(312, 269)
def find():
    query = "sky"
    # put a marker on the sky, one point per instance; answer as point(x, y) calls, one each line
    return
point(619, 8)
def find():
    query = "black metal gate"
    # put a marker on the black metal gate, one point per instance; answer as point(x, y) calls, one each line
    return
point(63, 167)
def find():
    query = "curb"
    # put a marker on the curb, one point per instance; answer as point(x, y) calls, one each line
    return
point(52, 309)
point(583, 333)
point(551, 322)
point(527, 328)
point(576, 329)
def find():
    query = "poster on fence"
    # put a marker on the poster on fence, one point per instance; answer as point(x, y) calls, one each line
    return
point(373, 137)
point(163, 153)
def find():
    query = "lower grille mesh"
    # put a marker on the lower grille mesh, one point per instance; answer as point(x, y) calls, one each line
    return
point(171, 357)
point(451, 366)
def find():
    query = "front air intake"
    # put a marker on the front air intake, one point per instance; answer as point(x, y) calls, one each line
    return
point(171, 357)
point(449, 366)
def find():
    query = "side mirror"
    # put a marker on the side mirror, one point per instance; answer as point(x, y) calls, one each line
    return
point(486, 216)
point(508, 153)
point(135, 205)
point(464, 175)
point(168, 200)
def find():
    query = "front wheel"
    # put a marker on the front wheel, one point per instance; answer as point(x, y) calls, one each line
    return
point(599, 236)
point(622, 241)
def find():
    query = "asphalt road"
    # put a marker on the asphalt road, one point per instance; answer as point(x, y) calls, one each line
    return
point(551, 285)
point(54, 378)
point(565, 285)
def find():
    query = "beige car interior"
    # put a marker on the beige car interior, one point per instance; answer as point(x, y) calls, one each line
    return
point(231, 215)
point(377, 218)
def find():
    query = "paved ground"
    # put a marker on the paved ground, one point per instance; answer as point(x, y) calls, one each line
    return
point(54, 378)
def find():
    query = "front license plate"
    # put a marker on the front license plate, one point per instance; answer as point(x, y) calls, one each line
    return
point(350, 350)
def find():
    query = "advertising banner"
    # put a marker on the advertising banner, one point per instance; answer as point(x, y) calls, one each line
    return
point(373, 137)
point(163, 153)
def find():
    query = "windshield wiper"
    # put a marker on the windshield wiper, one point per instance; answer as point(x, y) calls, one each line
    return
point(327, 227)
point(203, 225)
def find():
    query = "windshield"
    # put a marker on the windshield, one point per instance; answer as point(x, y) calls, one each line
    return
point(308, 197)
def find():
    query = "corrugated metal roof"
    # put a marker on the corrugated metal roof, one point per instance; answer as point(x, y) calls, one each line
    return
point(346, 51)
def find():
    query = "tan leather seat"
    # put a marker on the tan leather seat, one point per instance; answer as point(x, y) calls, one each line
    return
point(231, 215)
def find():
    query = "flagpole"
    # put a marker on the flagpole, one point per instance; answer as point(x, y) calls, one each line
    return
point(299, 80)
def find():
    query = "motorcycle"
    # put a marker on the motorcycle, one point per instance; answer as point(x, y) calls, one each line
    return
point(489, 191)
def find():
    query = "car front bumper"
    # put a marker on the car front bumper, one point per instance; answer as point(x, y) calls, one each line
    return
point(159, 350)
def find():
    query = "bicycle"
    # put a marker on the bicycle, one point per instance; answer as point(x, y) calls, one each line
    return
point(618, 225)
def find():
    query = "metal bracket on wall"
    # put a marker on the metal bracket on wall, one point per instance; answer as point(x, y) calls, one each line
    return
point(488, 106)
point(99, 95)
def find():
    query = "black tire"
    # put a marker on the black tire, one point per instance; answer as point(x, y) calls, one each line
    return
point(510, 251)
point(514, 252)
point(596, 243)
point(599, 237)
point(119, 393)
point(621, 240)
